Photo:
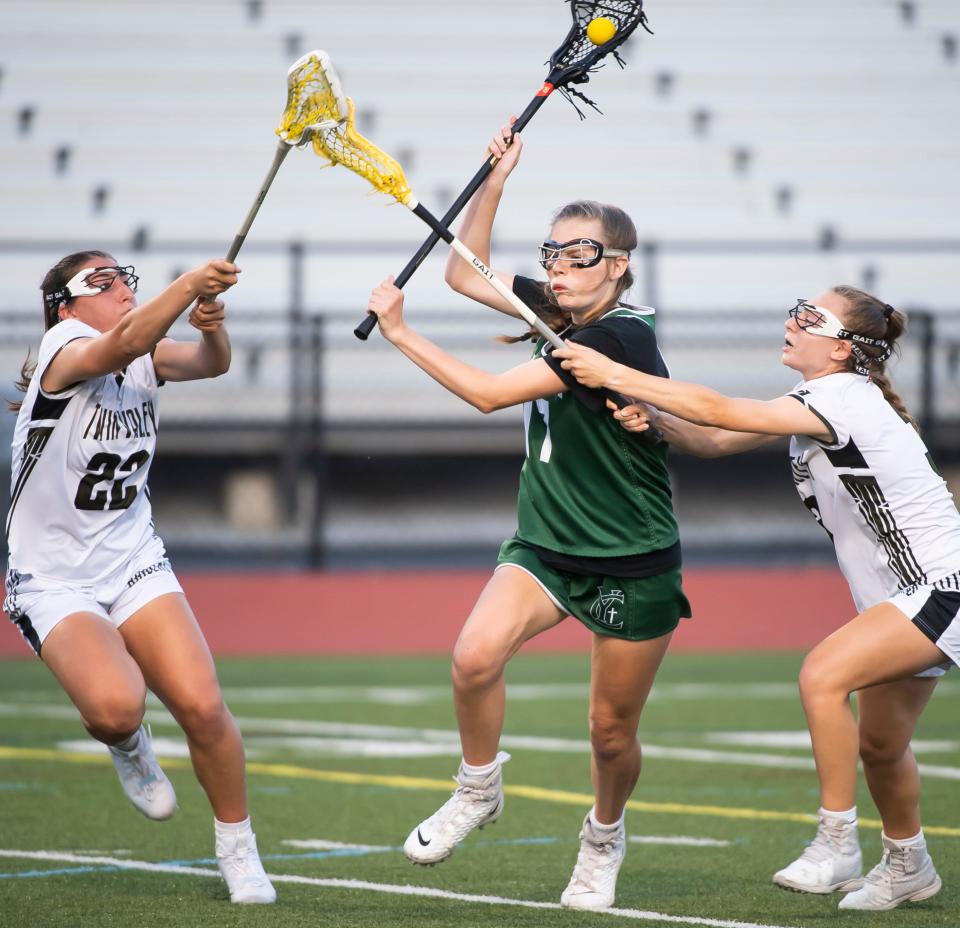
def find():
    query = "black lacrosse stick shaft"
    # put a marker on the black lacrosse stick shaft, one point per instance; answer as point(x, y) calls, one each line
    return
point(363, 330)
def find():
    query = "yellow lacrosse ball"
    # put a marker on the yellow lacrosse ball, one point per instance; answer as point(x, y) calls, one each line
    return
point(601, 30)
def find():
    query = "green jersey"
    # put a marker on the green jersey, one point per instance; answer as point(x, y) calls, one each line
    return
point(588, 487)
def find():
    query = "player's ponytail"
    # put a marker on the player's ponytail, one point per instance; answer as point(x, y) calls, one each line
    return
point(866, 315)
point(55, 279)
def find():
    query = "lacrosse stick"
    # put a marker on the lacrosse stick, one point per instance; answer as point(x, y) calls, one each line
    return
point(342, 144)
point(572, 63)
point(312, 104)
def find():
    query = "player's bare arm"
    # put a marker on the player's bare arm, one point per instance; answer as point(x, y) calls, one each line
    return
point(486, 392)
point(209, 357)
point(138, 330)
point(702, 441)
point(690, 401)
point(477, 226)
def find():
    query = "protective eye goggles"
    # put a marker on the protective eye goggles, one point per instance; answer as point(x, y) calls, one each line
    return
point(92, 280)
point(579, 252)
point(818, 320)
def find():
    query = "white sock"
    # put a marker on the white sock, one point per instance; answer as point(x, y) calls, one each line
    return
point(481, 771)
point(916, 841)
point(849, 817)
point(231, 829)
point(128, 744)
point(600, 826)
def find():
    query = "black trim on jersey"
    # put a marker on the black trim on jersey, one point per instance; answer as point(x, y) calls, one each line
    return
point(811, 503)
point(48, 407)
point(627, 340)
point(875, 510)
point(54, 393)
point(22, 621)
point(37, 439)
point(626, 567)
point(948, 583)
point(799, 470)
point(848, 456)
point(833, 432)
point(937, 614)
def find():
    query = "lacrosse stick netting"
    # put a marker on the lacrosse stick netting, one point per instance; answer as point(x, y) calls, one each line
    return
point(312, 102)
point(314, 97)
point(572, 63)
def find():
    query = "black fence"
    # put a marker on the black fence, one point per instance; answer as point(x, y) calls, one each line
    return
point(341, 440)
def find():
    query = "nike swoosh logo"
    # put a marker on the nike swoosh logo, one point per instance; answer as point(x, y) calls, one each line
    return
point(420, 839)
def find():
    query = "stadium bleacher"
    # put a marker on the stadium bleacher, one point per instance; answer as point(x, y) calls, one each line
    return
point(765, 149)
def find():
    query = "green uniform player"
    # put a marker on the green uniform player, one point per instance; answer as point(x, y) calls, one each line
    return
point(596, 525)
point(596, 535)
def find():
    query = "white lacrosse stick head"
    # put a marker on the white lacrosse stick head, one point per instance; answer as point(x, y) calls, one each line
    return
point(315, 100)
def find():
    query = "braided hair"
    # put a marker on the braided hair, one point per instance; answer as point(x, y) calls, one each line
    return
point(866, 315)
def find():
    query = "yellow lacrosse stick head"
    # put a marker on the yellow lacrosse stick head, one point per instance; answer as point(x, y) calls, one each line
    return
point(314, 98)
point(342, 144)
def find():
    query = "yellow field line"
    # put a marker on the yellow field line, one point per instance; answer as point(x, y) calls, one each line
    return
point(289, 771)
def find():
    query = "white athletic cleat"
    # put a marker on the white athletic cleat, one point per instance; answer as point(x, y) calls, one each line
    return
point(831, 861)
point(594, 881)
point(904, 874)
point(145, 784)
point(475, 803)
point(239, 863)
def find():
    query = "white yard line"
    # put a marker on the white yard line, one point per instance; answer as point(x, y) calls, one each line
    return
point(388, 888)
point(801, 740)
point(516, 692)
point(359, 740)
point(680, 840)
point(318, 844)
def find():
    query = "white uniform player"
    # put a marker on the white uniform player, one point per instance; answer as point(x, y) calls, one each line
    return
point(79, 528)
point(873, 487)
point(864, 472)
point(88, 581)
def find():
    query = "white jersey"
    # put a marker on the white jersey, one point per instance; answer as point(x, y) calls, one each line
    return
point(875, 490)
point(78, 502)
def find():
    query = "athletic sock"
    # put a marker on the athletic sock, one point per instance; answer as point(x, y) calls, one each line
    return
point(601, 826)
point(481, 771)
point(231, 829)
point(849, 817)
point(917, 840)
point(129, 743)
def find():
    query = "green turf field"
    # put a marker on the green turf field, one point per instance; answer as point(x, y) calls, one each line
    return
point(346, 755)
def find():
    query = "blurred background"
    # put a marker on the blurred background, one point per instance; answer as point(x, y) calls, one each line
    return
point(766, 150)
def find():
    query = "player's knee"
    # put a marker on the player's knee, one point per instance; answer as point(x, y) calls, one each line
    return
point(878, 749)
point(611, 737)
point(474, 666)
point(112, 720)
point(819, 680)
point(203, 715)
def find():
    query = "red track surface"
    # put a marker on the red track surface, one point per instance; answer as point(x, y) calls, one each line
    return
point(421, 612)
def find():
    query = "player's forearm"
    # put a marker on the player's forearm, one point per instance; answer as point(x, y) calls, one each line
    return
point(476, 387)
point(475, 232)
point(689, 401)
point(214, 353)
point(140, 329)
point(704, 441)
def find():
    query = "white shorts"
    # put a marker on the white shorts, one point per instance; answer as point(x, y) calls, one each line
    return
point(935, 609)
point(37, 604)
